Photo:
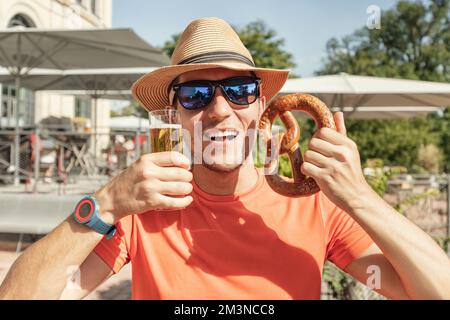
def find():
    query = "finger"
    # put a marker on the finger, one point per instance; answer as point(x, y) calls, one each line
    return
point(331, 136)
point(324, 147)
point(170, 159)
point(316, 158)
point(340, 123)
point(174, 188)
point(174, 174)
point(310, 170)
point(176, 203)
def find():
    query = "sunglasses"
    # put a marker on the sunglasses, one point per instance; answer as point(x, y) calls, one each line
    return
point(198, 94)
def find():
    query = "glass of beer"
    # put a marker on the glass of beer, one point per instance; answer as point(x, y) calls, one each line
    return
point(165, 131)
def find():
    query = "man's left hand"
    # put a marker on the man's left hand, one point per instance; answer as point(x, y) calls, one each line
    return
point(333, 161)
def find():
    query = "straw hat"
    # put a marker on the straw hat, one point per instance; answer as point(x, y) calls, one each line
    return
point(206, 43)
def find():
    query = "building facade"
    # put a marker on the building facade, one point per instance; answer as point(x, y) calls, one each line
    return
point(52, 14)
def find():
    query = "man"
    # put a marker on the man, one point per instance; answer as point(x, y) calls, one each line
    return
point(214, 229)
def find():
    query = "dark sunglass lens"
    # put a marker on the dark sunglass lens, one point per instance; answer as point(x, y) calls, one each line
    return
point(241, 91)
point(194, 97)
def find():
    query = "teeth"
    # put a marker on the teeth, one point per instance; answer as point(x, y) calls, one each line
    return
point(228, 134)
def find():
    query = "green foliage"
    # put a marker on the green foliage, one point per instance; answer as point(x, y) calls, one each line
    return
point(396, 141)
point(430, 158)
point(444, 243)
point(441, 127)
point(285, 168)
point(132, 109)
point(262, 42)
point(413, 199)
point(265, 47)
point(338, 281)
point(412, 43)
point(169, 45)
point(377, 175)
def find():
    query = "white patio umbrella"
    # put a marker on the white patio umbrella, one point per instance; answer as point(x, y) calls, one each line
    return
point(89, 81)
point(22, 50)
point(97, 83)
point(374, 97)
point(123, 95)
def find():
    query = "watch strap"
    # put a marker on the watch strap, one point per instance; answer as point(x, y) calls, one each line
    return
point(95, 222)
point(103, 228)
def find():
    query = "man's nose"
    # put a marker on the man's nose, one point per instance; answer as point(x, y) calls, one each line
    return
point(219, 108)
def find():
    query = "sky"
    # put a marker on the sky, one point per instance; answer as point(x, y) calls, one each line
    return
point(306, 25)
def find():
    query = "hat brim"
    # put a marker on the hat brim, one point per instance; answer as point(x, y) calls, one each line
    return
point(152, 89)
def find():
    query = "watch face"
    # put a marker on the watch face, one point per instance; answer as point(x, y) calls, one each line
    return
point(84, 210)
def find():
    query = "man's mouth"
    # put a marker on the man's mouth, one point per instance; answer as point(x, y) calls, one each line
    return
point(220, 135)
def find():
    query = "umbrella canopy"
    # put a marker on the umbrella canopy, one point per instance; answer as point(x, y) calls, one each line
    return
point(22, 50)
point(123, 95)
point(91, 81)
point(396, 97)
point(76, 49)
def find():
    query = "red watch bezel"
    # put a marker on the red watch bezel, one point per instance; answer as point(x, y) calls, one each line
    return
point(89, 215)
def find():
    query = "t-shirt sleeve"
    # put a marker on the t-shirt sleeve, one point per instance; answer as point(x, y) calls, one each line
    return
point(115, 251)
point(346, 239)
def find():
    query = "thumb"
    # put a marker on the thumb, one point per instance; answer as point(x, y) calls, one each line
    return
point(340, 123)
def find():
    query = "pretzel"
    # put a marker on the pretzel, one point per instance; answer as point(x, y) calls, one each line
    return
point(287, 142)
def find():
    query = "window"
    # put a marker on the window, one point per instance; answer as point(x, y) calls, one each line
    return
point(21, 20)
point(82, 107)
point(8, 105)
point(8, 92)
point(94, 6)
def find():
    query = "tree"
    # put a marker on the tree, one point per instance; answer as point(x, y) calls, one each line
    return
point(396, 141)
point(169, 45)
point(132, 109)
point(264, 46)
point(441, 127)
point(412, 43)
point(262, 42)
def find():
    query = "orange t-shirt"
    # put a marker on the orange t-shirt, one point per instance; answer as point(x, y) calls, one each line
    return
point(255, 245)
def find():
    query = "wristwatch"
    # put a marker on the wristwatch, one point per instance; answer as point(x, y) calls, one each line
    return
point(87, 213)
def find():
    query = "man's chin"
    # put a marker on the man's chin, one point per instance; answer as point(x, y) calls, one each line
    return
point(222, 167)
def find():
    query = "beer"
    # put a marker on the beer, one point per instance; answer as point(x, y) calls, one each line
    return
point(166, 137)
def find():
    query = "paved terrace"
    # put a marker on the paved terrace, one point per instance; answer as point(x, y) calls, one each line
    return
point(24, 212)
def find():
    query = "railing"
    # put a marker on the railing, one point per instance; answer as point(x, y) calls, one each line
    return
point(49, 154)
point(424, 199)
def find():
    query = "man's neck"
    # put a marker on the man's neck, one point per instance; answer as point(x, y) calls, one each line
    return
point(225, 183)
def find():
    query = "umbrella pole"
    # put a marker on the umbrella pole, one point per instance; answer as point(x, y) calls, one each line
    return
point(95, 131)
point(17, 132)
point(37, 156)
point(17, 98)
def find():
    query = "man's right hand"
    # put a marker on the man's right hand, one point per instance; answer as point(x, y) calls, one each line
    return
point(155, 181)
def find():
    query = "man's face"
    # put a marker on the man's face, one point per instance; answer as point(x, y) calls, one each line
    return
point(221, 117)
